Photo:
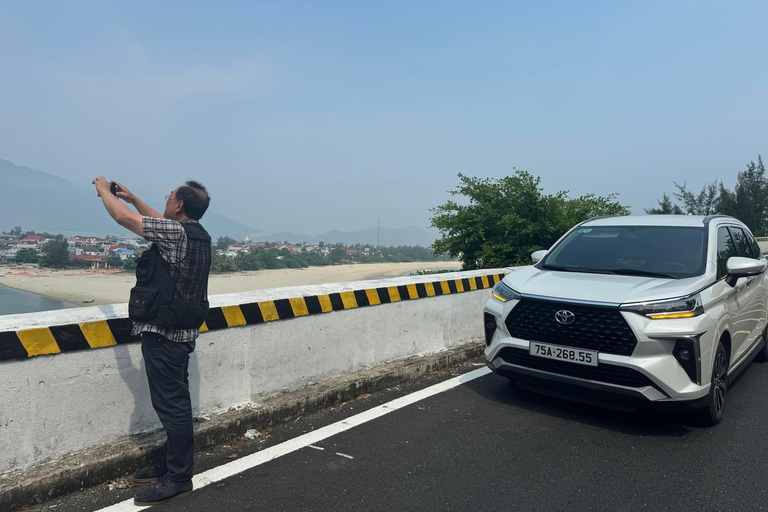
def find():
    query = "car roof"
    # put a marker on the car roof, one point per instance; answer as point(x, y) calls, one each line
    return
point(657, 220)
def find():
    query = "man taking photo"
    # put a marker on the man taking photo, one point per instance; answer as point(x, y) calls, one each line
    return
point(168, 305)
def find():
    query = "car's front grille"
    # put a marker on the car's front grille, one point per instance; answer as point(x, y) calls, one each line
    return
point(607, 373)
point(598, 328)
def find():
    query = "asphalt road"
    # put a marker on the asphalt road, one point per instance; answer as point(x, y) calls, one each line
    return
point(488, 445)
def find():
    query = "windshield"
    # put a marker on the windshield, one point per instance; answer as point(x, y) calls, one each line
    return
point(655, 251)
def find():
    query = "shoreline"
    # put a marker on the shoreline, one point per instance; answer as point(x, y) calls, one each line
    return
point(74, 286)
point(22, 290)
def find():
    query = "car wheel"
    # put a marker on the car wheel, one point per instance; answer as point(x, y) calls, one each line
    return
point(762, 356)
point(713, 413)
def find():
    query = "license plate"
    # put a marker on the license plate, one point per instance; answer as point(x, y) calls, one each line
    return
point(571, 355)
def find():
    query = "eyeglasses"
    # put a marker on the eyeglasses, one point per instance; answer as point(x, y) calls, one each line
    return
point(169, 195)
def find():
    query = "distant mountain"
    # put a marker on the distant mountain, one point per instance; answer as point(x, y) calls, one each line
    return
point(409, 235)
point(44, 202)
point(294, 238)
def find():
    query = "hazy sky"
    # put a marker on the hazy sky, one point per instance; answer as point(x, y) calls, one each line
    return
point(318, 115)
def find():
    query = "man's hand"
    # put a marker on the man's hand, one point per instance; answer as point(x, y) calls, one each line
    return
point(128, 196)
point(102, 186)
point(125, 194)
point(117, 210)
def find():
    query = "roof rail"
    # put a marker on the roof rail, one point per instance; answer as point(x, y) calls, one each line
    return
point(708, 218)
point(600, 217)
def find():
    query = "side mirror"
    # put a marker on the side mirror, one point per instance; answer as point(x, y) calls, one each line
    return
point(743, 267)
point(538, 256)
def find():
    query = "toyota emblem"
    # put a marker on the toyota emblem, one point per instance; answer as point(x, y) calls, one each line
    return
point(565, 317)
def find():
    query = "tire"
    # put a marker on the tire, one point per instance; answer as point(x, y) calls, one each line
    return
point(762, 356)
point(713, 412)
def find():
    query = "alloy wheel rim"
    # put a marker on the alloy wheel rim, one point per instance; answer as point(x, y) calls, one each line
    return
point(718, 381)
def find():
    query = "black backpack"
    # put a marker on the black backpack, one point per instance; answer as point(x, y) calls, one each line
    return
point(152, 299)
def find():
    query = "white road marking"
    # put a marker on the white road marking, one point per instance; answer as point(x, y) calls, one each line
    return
point(344, 455)
point(315, 447)
point(238, 466)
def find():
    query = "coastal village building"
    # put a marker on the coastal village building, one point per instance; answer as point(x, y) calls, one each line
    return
point(9, 255)
point(91, 249)
point(35, 242)
point(234, 250)
point(98, 250)
point(294, 249)
point(96, 261)
point(126, 253)
point(120, 251)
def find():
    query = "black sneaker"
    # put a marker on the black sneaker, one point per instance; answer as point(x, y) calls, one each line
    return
point(163, 492)
point(150, 474)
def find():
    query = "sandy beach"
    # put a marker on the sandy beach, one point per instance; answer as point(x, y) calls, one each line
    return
point(107, 287)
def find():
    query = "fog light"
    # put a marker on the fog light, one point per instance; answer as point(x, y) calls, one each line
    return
point(687, 355)
point(490, 327)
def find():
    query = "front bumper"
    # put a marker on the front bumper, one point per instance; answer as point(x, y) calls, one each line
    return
point(650, 377)
point(594, 393)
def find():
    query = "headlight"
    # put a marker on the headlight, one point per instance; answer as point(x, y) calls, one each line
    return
point(686, 307)
point(504, 293)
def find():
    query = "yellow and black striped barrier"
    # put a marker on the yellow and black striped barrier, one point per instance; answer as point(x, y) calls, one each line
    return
point(38, 341)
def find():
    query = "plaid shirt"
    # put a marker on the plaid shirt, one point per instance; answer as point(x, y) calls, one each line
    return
point(186, 269)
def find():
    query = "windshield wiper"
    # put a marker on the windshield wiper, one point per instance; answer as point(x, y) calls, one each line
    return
point(557, 267)
point(575, 269)
point(637, 272)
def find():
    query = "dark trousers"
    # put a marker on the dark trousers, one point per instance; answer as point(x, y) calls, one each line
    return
point(167, 365)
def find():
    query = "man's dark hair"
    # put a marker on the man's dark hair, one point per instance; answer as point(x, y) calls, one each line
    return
point(196, 199)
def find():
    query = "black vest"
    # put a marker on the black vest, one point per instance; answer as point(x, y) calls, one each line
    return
point(173, 302)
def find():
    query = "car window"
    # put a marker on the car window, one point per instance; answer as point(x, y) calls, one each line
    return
point(725, 249)
point(743, 248)
point(677, 252)
point(756, 252)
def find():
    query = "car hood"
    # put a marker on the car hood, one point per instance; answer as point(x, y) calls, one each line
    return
point(600, 287)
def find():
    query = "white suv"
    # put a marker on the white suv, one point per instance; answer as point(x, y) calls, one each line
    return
point(660, 311)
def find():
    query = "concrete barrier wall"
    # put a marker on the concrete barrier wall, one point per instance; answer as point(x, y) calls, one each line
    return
point(91, 388)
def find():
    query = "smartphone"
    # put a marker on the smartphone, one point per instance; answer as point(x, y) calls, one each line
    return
point(113, 188)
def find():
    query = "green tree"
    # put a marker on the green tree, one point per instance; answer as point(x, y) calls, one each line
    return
point(27, 256)
point(73, 263)
point(222, 263)
point(294, 261)
point(317, 260)
point(703, 203)
point(224, 241)
point(270, 259)
point(338, 253)
point(55, 253)
point(251, 261)
point(751, 194)
point(506, 219)
point(748, 201)
point(666, 207)
point(130, 261)
point(727, 203)
point(114, 262)
point(706, 202)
